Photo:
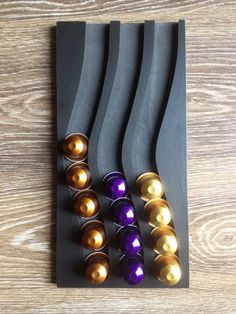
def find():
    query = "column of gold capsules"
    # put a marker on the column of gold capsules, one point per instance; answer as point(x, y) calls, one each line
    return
point(163, 234)
point(86, 206)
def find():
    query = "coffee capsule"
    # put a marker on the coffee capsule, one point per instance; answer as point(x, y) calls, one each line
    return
point(123, 211)
point(115, 185)
point(93, 235)
point(75, 147)
point(149, 185)
point(86, 204)
point(168, 269)
point(164, 240)
point(130, 240)
point(158, 212)
point(78, 176)
point(97, 268)
point(132, 269)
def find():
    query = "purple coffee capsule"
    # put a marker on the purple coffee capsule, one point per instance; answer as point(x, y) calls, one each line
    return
point(132, 269)
point(115, 185)
point(130, 240)
point(123, 211)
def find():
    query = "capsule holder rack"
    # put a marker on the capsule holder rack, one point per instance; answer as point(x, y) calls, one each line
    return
point(122, 85)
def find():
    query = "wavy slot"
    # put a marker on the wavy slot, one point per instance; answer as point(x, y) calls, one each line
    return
point(111, 119)
point(81, 62)
point(171, 155)
point(138, 152)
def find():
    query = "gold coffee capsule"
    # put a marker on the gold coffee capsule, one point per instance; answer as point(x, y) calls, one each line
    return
point(86, 204)
point(164, 240)
point(94, 236)
point(168, 269)
point(149, 186)
point(97, 268)
point(158, 212)
point(78, 176)
point(75, 147)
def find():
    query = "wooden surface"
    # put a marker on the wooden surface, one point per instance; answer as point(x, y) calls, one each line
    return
point(27, 207)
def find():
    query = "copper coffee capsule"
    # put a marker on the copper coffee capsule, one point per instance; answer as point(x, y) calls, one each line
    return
point(168, 269)
point(158, 212)
point(86, 204)
point(97, 268)
point(75, 147)
point(164, 240)
point(94, 236)
point(149, 186)
point(78, 176)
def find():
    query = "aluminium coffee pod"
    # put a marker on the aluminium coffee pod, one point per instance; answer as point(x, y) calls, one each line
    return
point(130, 242)
point(132, 269)
point(97, 268)
point(150, 186)
point(164, 240)
point(75, 147)
point(168, 269)
point(123, 211)
point(78, 176)
point(86, 204)
point(115, 185)
point(158, 212)
point(93, 235)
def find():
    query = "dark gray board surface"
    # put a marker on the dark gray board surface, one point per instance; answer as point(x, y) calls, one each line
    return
point(163, 64)
point(105, 143)
point(81, 63)
point(82, 52)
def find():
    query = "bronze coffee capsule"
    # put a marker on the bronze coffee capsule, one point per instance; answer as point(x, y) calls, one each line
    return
point(168, 269)
point(164, 240)
point(86, 204)
point(97, 268)
point(158, 212)
point(75, 147)
point(149, 185)
point(94, 237)
point(78, 176)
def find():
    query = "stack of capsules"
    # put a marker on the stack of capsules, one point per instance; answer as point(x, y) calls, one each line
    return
point(86, 206)
point(128, 234)
point(163, 234)
point(93, 235)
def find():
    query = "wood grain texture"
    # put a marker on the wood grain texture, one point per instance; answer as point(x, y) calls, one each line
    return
point(27, 112)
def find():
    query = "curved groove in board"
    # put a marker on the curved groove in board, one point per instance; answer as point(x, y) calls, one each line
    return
point(107, 134)
point(70, 55)
point(70, 58)
point(171, 154)
point(138, 152)
point(82, 55)
point(91, 79)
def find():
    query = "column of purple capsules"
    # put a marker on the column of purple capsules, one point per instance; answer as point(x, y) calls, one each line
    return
point(86, 207)
point(124, 217)
point(163, 234)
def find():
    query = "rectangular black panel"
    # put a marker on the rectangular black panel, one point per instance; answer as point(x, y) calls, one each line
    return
point(123, 86)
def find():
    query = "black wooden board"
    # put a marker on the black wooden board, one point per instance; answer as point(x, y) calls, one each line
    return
point(123, 86)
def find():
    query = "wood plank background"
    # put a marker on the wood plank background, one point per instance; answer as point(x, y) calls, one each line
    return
point(27, 202)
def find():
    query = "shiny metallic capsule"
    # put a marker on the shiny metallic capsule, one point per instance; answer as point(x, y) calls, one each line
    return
point(123, 211)
point(97, 268)
point(86, 204)
point(115, 185)
point(149, 186)
point(93, 235)
point(78, 176)
point(75, 147)
point(164, 240)
point(168, 269)
point(130, 240)
point(158, 212)
point(132, 269)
